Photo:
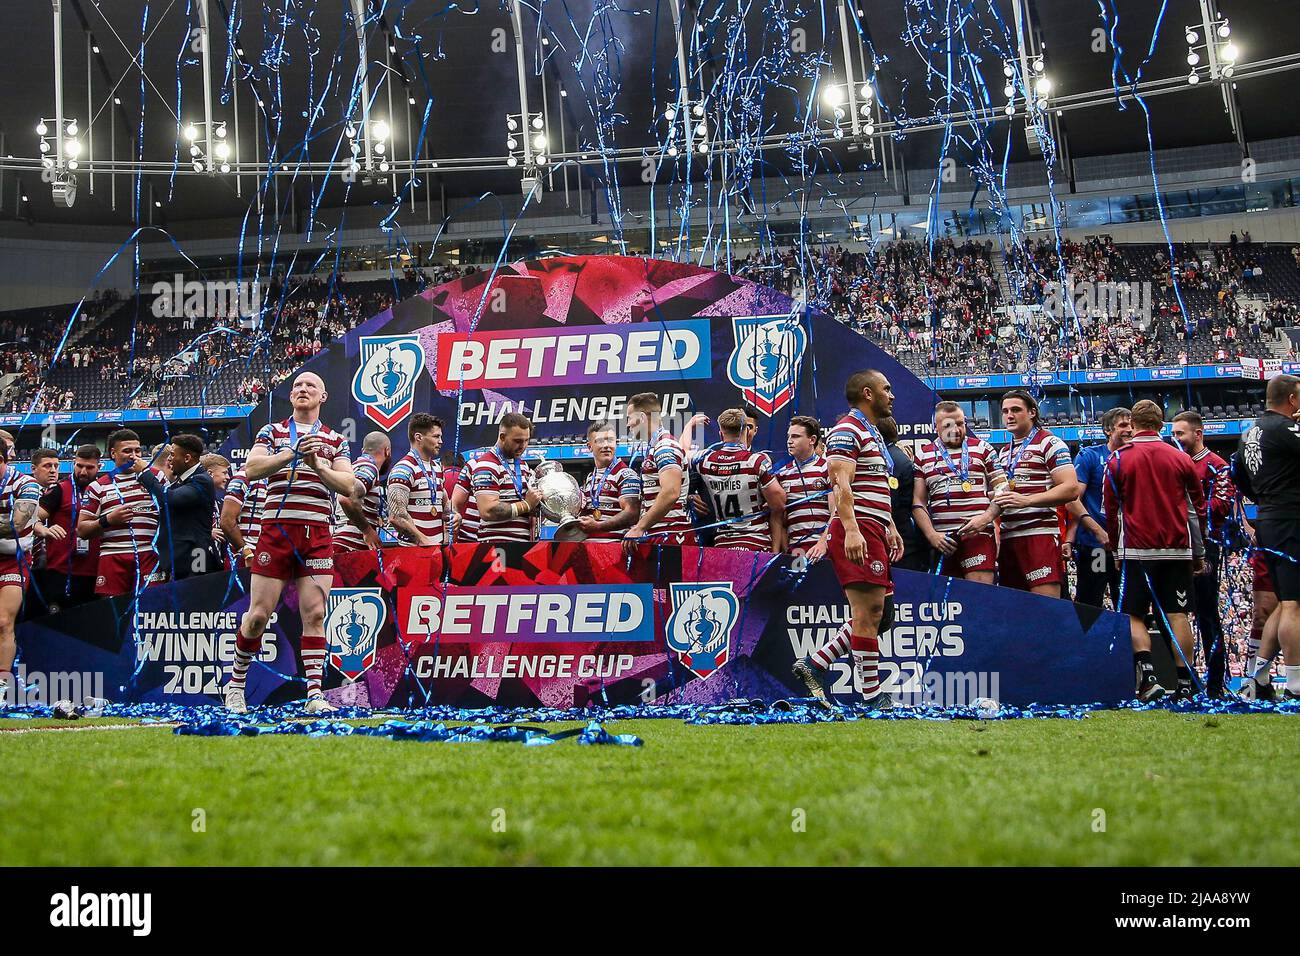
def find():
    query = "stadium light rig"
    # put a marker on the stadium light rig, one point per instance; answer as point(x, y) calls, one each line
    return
point(852, 109)
point(688, 129)
point(60, 150)
point(207, 154)
point(374, 140)
point(527, 146)
point(1211, 52)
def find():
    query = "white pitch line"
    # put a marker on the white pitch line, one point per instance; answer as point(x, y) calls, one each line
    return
point(41, 730)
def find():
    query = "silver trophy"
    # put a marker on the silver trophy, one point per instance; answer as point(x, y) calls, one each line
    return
point(561, 499)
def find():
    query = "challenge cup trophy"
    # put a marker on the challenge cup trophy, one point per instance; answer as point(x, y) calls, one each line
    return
point(561, 500)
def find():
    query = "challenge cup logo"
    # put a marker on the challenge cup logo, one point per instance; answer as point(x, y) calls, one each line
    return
point(765, 363)
point(699, 628)
point(384, 384)
point(353, 619)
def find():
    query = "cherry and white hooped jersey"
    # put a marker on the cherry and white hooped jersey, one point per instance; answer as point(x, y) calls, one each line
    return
point(296, 494)
point(854, 439)
point(427, 502)
point(604, 491)
point(664, 453)
point(16, 487)
point(470, 520)
point(949, 502)
point(251, 496)
point(735, 477)
point(490, 473)
point(110, 491)
point(807, 487)
point(1029, 464)
point(347, 536)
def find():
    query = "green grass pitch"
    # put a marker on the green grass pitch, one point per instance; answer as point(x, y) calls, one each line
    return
point(1119, 788)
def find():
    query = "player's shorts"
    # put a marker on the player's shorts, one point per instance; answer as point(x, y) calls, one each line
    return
point(15, 571)
point(1263, 581)
point(127, 573)
point(975, 552)
point(1026, 562)
point(1276, 539)
point(1171, 582)
point(289, 551)
point(874, 570)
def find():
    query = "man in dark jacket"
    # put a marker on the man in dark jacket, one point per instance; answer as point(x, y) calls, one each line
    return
point(185, 507)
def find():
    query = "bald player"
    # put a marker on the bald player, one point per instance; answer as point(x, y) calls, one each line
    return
point(306, 463)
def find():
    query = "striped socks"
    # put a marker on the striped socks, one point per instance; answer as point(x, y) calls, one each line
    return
point(313, 662)
point(246, 648)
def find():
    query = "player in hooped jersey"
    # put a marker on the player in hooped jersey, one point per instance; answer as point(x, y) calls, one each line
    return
point(806, 480)
point(19, 498)
point(503, 484)
point(361, 514)
point(744, 490)
point(306, 464)
point(124, 515)
point(611, 495)
point(241, 516)
point(663, 477)
point(1040, 478)
point(863, 539)
point(417, 503)
point(952, 502)
point(464, 506)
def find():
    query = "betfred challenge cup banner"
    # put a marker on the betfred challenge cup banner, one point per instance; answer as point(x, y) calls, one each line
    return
point(571, 625)
point(566, 341)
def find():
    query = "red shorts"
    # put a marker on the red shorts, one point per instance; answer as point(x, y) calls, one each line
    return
point(127, 573)
point(975, 552)
point(14, 572)
point(288, 551)
point(874, 570)
point(1263, 580)
point(1027, 562)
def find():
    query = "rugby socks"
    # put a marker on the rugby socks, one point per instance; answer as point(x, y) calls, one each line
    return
point(1292, 678)
point(1145, 670)
point(832, 650)
point(1256, 638)
point(245, 650)
point(313, 662)
point(866, 664)
point(1262, 672)
point(6, 684)
point(1184, 680)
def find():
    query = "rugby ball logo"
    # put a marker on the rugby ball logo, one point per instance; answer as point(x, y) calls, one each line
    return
point(385, 380)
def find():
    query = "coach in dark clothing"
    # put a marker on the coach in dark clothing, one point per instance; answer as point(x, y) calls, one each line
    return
point(916, 550)
point(185, 510)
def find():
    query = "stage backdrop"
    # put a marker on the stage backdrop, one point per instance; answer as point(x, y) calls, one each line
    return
point(567, 340)
point(573, 624)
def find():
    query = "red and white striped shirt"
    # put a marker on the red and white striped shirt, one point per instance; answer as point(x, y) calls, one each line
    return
point(604, 491)
point(664, 453)
point(855, 439)
point(1028, 464)
point(490, 472)
point(426, 502)
point(295, 494)
point(111, 491)
point(735, 477)
point(251, 496)
point(949, 503)
point(470, 520)
point(15, 487)
point(807, 487)
point(347, 536)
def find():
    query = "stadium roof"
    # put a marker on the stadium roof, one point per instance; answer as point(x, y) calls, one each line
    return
point(449, 57)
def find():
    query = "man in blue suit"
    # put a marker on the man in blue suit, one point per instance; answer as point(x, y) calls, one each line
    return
point(185, 508)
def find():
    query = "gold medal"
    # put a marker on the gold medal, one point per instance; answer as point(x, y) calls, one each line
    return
point(1012, 484)
point(596, 514)
point(893, 482)
point(965, 486)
